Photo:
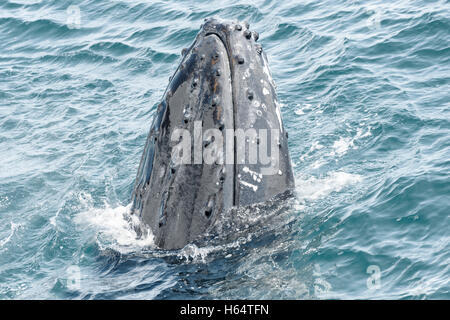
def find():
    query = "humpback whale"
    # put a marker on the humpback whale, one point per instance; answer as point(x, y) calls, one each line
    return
point(217, 139)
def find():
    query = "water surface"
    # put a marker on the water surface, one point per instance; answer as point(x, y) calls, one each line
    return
point(365, 89)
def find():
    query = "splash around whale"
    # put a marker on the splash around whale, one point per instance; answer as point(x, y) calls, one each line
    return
point(217, 141)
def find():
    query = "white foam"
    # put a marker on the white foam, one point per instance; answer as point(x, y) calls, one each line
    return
point(4, 201)
point(317, 164)
point(195, 254)
point(14, 227)
point(191, 251)
point(313, 188)
point(117, 226)
point(306, 107)
point(342, 145)
point(314, 146)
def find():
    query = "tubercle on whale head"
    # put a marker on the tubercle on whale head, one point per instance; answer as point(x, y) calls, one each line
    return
point(224, 30)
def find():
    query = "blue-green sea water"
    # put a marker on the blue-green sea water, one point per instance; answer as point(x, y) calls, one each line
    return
point(365, 89)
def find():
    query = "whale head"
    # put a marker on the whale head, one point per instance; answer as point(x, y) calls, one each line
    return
point(217, 140)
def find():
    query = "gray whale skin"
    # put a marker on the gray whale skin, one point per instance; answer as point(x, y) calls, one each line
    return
point(223, 82)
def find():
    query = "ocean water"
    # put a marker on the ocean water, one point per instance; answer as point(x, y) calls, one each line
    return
point(365, 89)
